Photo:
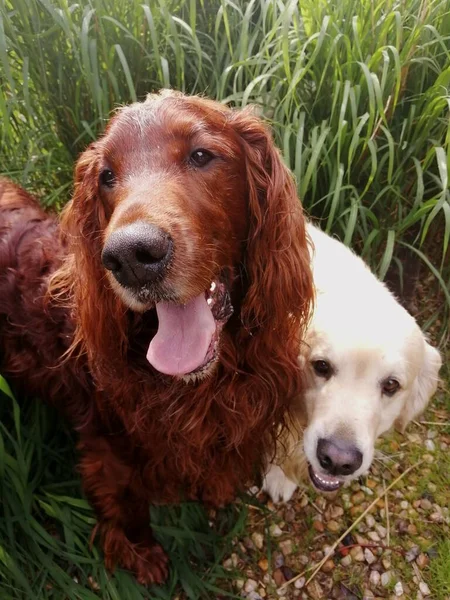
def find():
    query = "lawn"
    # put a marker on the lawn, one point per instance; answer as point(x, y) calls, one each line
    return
point(357, 93)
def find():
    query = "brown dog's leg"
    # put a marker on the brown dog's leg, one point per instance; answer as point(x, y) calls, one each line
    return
point(123, 517)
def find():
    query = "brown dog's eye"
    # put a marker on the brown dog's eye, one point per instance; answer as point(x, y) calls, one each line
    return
point(107, 178)
point(322, 368)
point(200, 158)
point(390, 386)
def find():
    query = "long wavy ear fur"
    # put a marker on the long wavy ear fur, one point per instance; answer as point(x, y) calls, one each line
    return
point(277, 304)
point(98, 314)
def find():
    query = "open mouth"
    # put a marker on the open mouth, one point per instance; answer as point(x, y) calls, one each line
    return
point(188, 335)
point(324, 483)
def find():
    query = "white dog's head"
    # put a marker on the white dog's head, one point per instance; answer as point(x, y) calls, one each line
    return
point(368, 367)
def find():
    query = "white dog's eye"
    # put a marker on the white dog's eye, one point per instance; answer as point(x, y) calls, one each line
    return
point(322, 368)
point(390, 386)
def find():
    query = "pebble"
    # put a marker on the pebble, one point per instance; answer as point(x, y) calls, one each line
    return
point(436, 517)
point(336, 512)
point(369, 556)
point(382, 531)
point(412, 553)
point(346, 560)
point(422, 560)
point(258, 540)
point(368, 595)
point(424, 589)
point(404, 504)
point(358, 497)
point(250, 585)
point(239, 583)
point(430, 445)
point(386, 578)
point(374, 578)
point(398, 589)
point(253, 595)
point(328, 566)
point(286, 547)
point(263, 564)
point(357, 554)
point(275, 531)
point(279, 577)
point(373, 535)
point(386, 563)
point(300, 583)
point(333, 526)
point(425, 504)
point(278, 560)
point(315, 591)
point(370, 521)
point(318, 526)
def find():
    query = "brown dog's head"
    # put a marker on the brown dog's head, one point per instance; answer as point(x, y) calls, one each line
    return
point(184, 206)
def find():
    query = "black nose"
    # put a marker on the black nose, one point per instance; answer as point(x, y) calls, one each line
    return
point(137, 254)
point(338, 457)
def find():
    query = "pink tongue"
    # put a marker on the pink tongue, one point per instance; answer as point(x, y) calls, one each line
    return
point(184, 335)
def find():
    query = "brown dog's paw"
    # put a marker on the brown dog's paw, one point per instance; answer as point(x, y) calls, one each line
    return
point(145, 559)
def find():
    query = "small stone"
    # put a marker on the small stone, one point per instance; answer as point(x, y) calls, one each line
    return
point(425, 504)
point(239, 583)
point(278, 577)
point(336, 512)
point(300, 583)
point(398, 589)
point(373, 535)
point(369, 556)
point(424, 589)
point(382, 531)
point(314, 590)
point(286, 547)
point(374, 578)
point(432, 487)
point(262, 592)
point(414, 438)
point(436, 517)
point(368, 595)
point(386, 562)
point(263, 564)
point(428, 458)
point(258, 540)
point(412, 554)
point(253, 595)
point(333, 526)
point(228, 564)
point(357, 554)
point(303, 559)
point(318, 526)
point(422, 560)
point(412, 529)
point(430, 445)
point(346, 560)
point(289, 515)
point(386, 578)
point(275, 531)
point(404, 504)
point(358, 497)
point(328, 566)
point(250, 585)
point(370, 521)
point(278, 560)
point(303, 501)
point(371, 483)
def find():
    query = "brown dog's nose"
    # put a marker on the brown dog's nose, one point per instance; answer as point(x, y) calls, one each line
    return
point(338, 457)
point(137, 254)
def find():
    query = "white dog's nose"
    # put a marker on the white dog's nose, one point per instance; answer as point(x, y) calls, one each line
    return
point(338, 457)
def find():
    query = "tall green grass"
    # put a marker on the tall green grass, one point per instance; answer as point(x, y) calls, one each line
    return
point(357, 91)
point(358, 95)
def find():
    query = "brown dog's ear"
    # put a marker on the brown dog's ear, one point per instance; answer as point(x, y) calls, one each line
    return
point(424, 387)
point(277, 277)
point(99, 314)
point(277, 263)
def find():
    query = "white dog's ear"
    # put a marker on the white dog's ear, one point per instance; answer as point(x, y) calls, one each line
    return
point(424, 387)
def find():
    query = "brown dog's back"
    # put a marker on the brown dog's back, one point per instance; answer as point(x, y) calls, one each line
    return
point(32, 347)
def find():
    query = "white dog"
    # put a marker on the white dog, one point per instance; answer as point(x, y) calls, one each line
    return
point(368, 366)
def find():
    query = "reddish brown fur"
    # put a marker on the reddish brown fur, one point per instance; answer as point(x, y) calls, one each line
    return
point(146, 437)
